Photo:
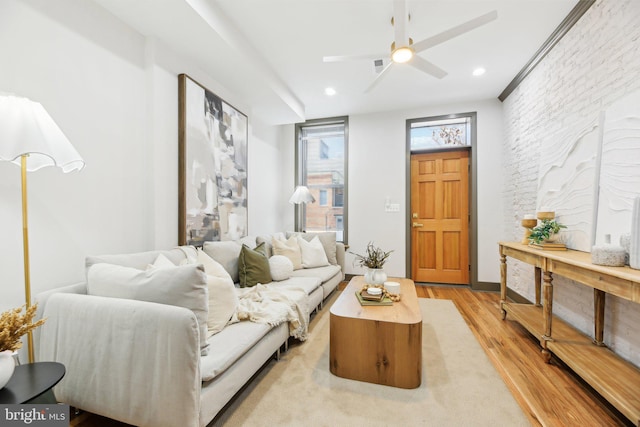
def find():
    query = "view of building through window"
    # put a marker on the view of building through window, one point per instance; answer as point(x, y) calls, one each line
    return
point(321, 149)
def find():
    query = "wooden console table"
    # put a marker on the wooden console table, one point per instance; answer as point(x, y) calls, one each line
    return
point(615, 379)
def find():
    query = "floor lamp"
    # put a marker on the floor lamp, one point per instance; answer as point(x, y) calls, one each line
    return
point(299, 196)
point(30, 138)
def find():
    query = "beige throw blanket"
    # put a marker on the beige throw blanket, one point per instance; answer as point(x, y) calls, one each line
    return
point(274, 305)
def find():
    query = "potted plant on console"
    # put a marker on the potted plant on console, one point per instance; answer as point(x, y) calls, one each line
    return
point(372, 261)
point(545, 231)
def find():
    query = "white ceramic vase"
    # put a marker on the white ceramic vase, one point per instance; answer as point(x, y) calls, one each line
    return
point(634, 244)
point(375, 276)
point(7, 365)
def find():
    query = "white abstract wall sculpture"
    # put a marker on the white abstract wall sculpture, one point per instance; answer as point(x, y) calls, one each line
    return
point(568, 180)
point(620, 166)
point(591, 178)
point(634, 247)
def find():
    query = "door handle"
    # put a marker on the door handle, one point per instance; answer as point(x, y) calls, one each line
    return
point(415, 224)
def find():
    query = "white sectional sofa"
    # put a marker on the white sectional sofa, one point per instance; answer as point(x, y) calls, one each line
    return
point(142, 362)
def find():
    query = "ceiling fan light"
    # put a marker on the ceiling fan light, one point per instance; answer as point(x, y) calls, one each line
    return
point(402, 55)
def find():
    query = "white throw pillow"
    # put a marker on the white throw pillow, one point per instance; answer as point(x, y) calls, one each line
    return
point(226, 253)
point(327, 238)
point(182, 286)
point(161, 262)
point(223, 299)
point(313, 254)
point(290, 249)
point(281, 267)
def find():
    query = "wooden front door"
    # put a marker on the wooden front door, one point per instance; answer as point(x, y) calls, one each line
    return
point(440, 217)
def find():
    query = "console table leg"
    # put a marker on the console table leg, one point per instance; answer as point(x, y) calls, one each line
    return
point(598, 316)
point(538, 284)
point(503, 283)
point(547, 311)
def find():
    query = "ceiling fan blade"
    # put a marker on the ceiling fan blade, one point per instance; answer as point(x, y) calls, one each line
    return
point(378, 79)
point(400, 21)
point(455, 31)
point(426, 66)
point(342, 58)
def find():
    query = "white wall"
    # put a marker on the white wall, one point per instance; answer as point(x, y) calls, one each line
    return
point(87, 70)
point(378, 169)
point(115, 95)
point(595, 64)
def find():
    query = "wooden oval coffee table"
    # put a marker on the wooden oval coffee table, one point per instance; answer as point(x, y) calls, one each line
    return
point(377, 344)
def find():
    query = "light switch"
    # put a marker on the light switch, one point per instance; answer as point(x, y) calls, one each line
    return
point(392, 207)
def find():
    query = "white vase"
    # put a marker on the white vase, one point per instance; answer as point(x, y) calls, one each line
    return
point(7, 365)
point(634, 245)
point(375, 276)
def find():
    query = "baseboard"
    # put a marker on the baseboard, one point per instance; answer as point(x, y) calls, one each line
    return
point(480, 286)
point(486, 286)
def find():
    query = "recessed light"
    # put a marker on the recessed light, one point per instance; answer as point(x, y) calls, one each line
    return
point(479, 71)
point(330, 91)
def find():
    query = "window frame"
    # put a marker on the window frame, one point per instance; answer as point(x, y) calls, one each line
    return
point(300, 170)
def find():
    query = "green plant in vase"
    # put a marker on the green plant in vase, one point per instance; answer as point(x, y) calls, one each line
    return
point(373, 260)
point(545, 231)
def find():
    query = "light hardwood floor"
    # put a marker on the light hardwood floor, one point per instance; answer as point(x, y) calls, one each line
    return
point(549, 394)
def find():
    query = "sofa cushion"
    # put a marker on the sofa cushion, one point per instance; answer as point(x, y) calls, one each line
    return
point(223, 299)
point(309, 284)
point(253, 266)
point(161, 261)
point(313, 254)
point(328, 240)
point(229, 345)
point(141, 260)
point(323, 273)
point(226, 253)
point(183, 286)
point(267, 238)
point(281, 267)
point(289, 248)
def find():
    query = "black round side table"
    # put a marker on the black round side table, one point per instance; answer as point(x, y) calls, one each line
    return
point(30, 381)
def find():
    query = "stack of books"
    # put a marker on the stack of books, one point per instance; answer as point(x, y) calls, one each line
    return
point(366, 299)
point(549, 246)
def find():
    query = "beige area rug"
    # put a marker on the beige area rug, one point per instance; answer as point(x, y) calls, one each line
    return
point(460, 386)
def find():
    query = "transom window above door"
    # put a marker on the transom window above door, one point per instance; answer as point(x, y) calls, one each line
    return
point(441, 133)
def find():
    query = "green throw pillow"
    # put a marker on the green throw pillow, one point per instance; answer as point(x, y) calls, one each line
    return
point(253, 266)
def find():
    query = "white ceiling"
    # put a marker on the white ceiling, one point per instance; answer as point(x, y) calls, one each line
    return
point(269, 52)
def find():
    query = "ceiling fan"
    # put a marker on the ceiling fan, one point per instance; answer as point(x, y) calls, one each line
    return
point(404, 50)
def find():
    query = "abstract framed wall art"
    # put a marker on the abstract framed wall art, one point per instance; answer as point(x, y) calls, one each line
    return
point(212, 169)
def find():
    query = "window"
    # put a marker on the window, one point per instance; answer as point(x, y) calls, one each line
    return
point(321, 165)
point(338, 197)
point(324, 150)
point(323, 198)
point(440, 133)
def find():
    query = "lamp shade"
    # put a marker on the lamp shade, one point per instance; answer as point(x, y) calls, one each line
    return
point(301, 195)
point(26, 128)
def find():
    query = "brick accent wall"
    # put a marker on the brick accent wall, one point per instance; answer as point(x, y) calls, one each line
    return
point(595, 64)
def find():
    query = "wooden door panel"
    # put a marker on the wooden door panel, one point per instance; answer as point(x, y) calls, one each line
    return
point(426, 208)
point(450, 165)
point(451, 250)
point(452, 204)
point(440, 215)
point(427, 253)
point(427, 167)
